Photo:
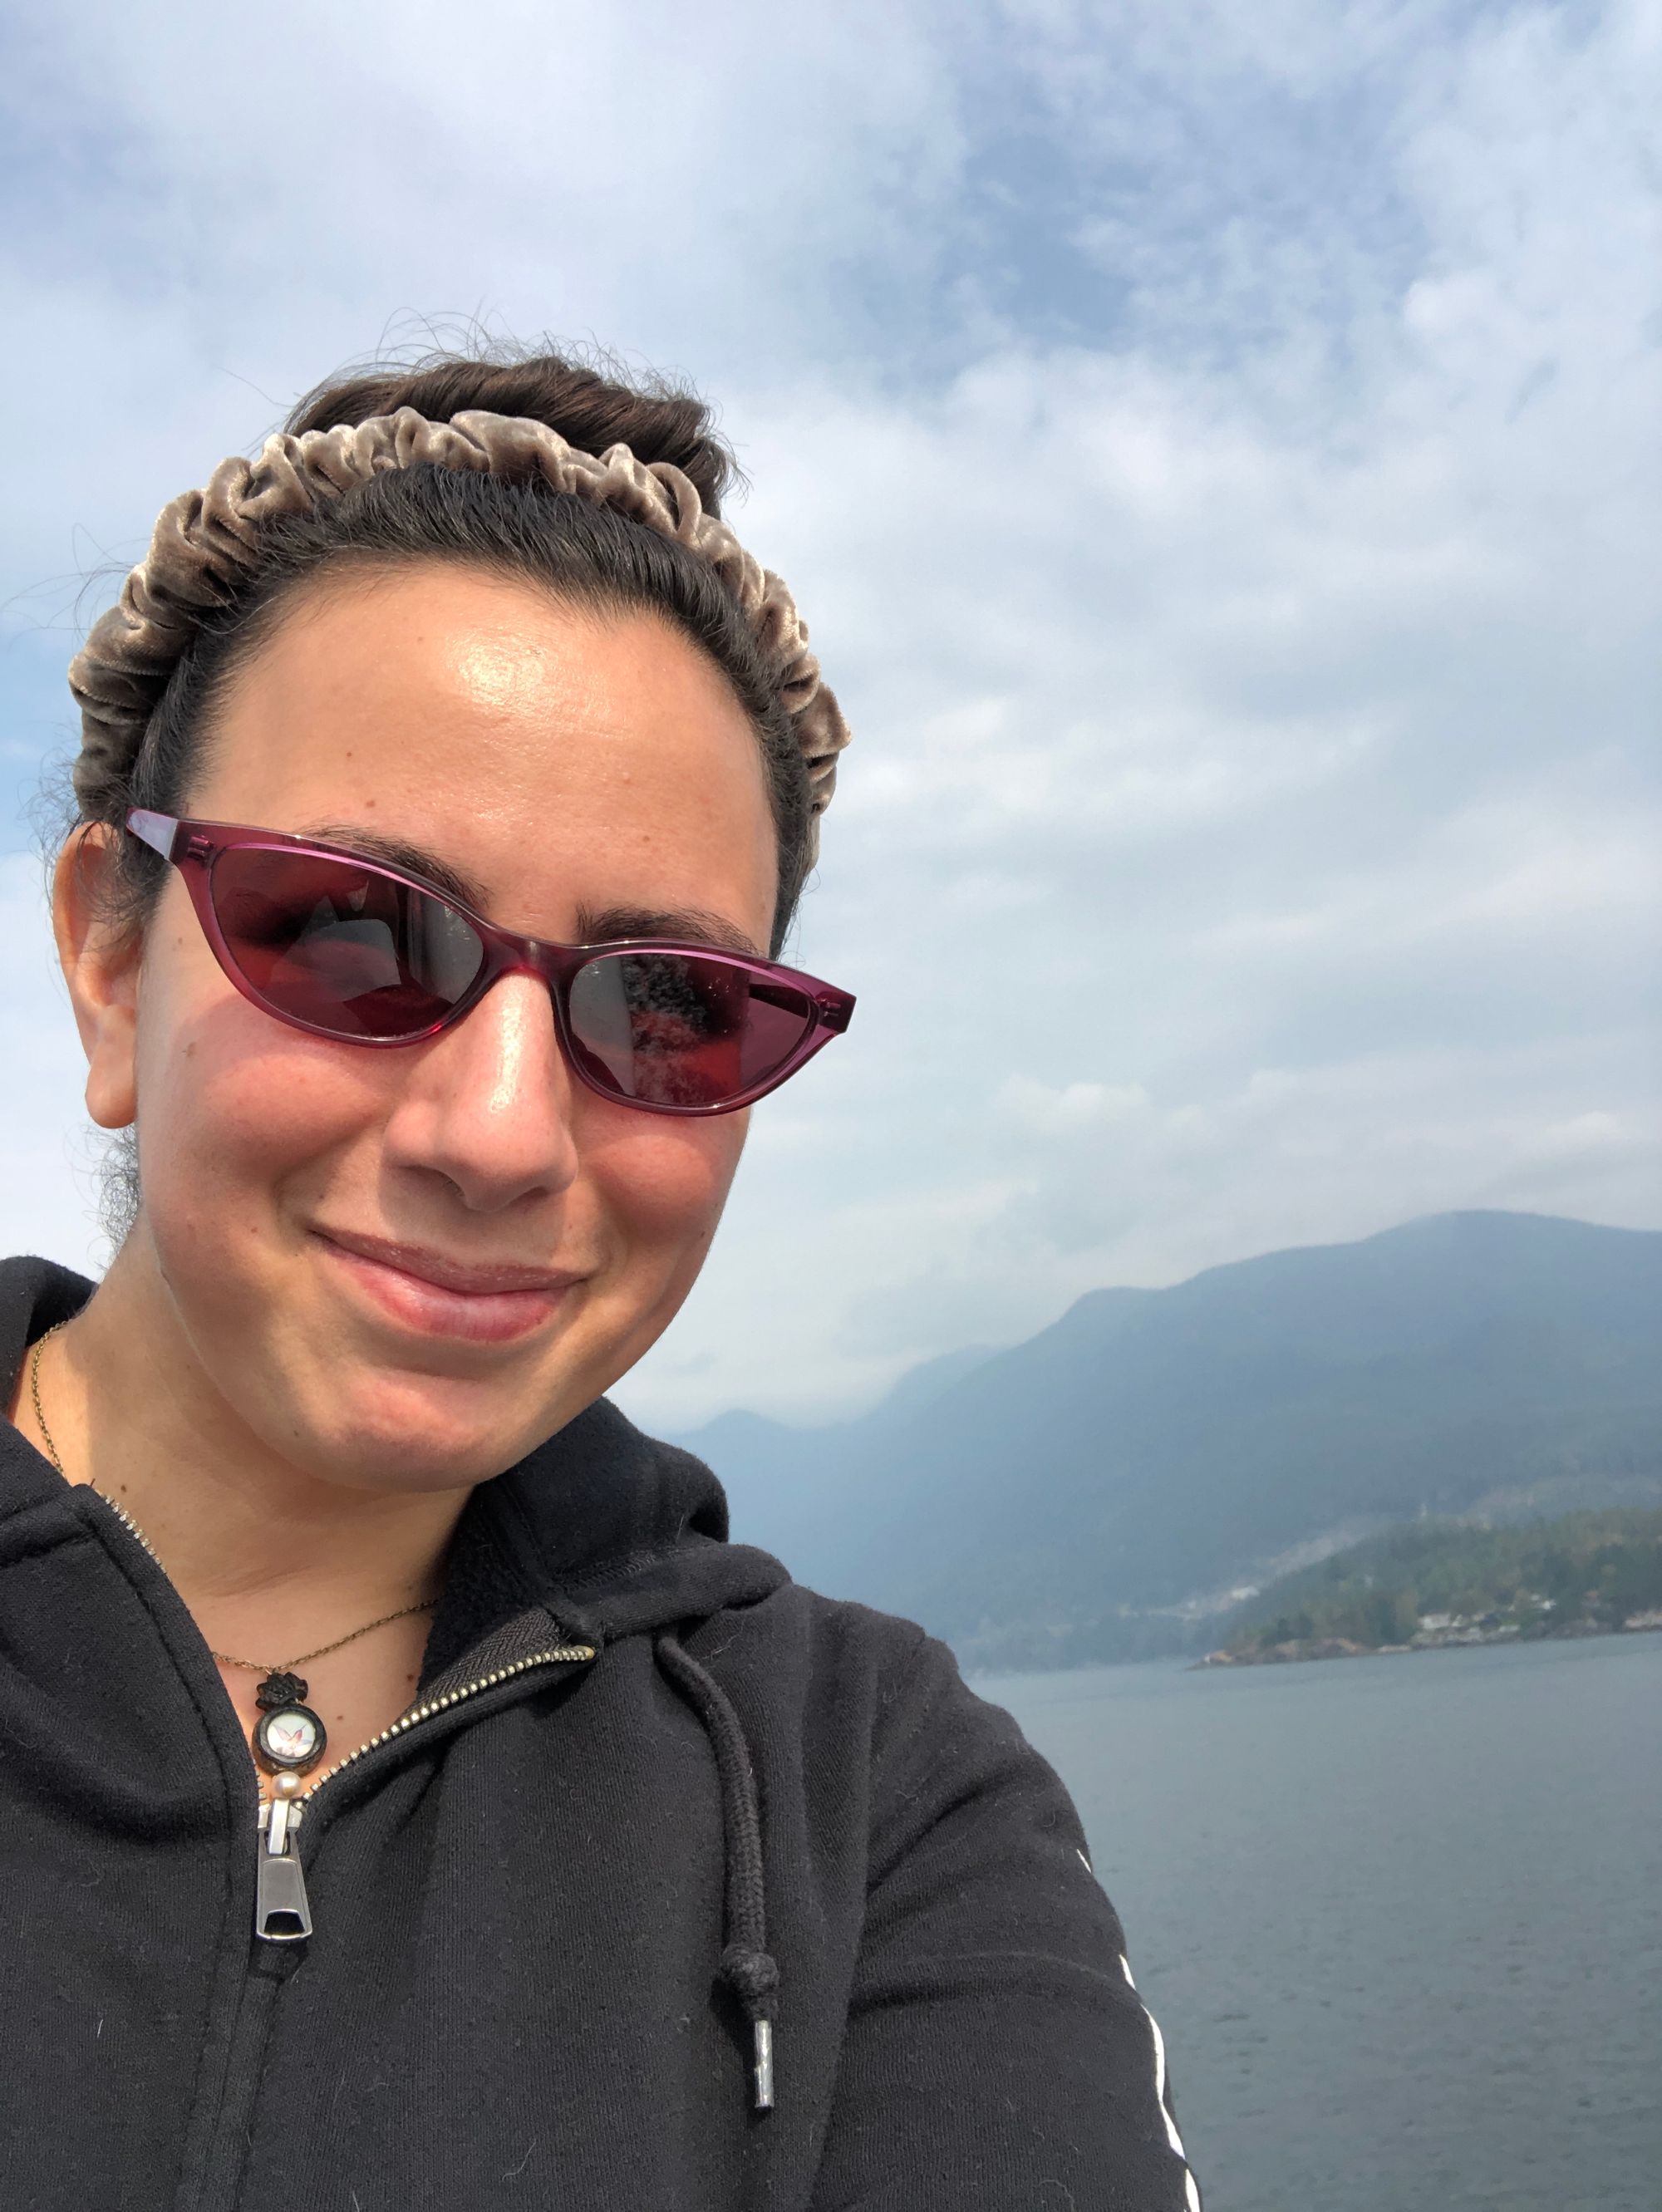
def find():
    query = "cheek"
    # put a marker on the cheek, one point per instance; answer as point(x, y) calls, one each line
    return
point(664, 1182)
point(231, 1104)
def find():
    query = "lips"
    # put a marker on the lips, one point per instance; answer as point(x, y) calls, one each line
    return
point(489, 1302)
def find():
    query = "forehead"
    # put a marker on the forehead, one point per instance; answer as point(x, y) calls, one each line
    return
point(561, 758)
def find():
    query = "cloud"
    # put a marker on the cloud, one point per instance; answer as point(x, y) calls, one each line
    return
point(1038, 1110)
point(1217, 450)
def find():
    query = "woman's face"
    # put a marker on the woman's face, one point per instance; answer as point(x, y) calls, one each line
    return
point(401, 1269)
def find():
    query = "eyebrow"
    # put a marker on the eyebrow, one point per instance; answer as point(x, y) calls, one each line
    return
point(689, 925)
point(692, 924)
point(414, 860)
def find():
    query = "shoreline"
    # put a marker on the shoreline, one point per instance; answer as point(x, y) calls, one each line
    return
point(1301, 1651)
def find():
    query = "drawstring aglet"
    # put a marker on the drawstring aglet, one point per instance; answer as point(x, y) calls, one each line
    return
point(746, 1967)
point(762, 2072)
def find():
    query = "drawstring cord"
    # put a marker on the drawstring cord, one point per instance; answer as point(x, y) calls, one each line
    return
point(747, 1968)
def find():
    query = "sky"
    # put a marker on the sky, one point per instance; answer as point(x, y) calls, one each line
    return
point(1216, 449)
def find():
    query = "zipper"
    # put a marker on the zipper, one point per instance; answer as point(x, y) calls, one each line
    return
point(130, 1525)
point(569, 1653)
point(282, 1912)
point(282, 1917)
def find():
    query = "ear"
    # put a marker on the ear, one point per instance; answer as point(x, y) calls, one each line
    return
point(100, 963)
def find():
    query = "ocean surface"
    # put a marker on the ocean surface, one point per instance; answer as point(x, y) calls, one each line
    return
point(1400, 1919)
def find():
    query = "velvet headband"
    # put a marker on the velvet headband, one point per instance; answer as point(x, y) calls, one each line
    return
point(207, 543)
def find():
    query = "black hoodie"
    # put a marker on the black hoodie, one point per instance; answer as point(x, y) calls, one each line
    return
point(655, 1807)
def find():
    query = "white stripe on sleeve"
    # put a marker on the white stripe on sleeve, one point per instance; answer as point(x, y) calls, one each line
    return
point(1191, 2194)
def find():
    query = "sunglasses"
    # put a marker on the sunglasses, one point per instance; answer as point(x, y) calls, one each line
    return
point(357, 950)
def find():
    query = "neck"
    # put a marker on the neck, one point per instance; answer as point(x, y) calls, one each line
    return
point(270, 1557)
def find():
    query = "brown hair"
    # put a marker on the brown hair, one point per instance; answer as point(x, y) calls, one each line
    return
point(587, 555)
point(656, 419)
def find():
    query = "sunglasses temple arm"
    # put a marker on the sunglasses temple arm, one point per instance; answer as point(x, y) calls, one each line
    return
point(158, 831)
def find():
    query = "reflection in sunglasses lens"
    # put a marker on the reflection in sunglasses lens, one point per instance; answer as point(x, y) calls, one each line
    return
point(340, 947)
point(675, 1029)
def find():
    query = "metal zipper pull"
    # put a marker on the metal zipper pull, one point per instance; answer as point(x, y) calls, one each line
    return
point(281, 1912)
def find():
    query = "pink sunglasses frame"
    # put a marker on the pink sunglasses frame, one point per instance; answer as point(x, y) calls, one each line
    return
point(193, 847)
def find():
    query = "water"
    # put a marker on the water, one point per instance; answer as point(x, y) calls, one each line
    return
point(1400, 1919)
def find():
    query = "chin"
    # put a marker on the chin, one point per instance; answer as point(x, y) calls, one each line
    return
point(421, 1432)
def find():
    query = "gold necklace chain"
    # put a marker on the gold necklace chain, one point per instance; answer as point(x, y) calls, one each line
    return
point(224, 1658)
point(34, 1392)
point(288, 1666)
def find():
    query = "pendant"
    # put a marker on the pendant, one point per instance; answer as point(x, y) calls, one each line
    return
point(290, 1738)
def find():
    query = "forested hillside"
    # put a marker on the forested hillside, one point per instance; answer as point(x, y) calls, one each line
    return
point(1437, 1582)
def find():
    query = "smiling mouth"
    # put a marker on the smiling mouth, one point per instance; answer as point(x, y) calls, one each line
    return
point(483, 1302)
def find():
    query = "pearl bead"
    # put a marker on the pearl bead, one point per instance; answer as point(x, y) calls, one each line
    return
point(287, 1785)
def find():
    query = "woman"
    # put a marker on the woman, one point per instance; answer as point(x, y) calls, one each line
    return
point(410, 1796)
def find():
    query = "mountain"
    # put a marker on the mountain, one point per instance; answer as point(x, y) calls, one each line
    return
point(1091, 1492)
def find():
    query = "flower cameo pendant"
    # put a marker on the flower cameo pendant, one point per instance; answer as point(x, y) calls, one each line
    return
point(289, 1738)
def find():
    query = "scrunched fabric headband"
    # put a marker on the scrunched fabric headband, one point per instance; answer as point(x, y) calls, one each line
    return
point(207, 543)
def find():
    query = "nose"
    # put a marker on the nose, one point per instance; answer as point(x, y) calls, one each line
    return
point(488, 1105)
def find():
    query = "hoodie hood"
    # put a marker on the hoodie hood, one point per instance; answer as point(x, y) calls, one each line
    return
point(616, 1534)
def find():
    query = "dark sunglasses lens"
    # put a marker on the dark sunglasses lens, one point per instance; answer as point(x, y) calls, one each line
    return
point(340, 947)
point(669, 1028)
